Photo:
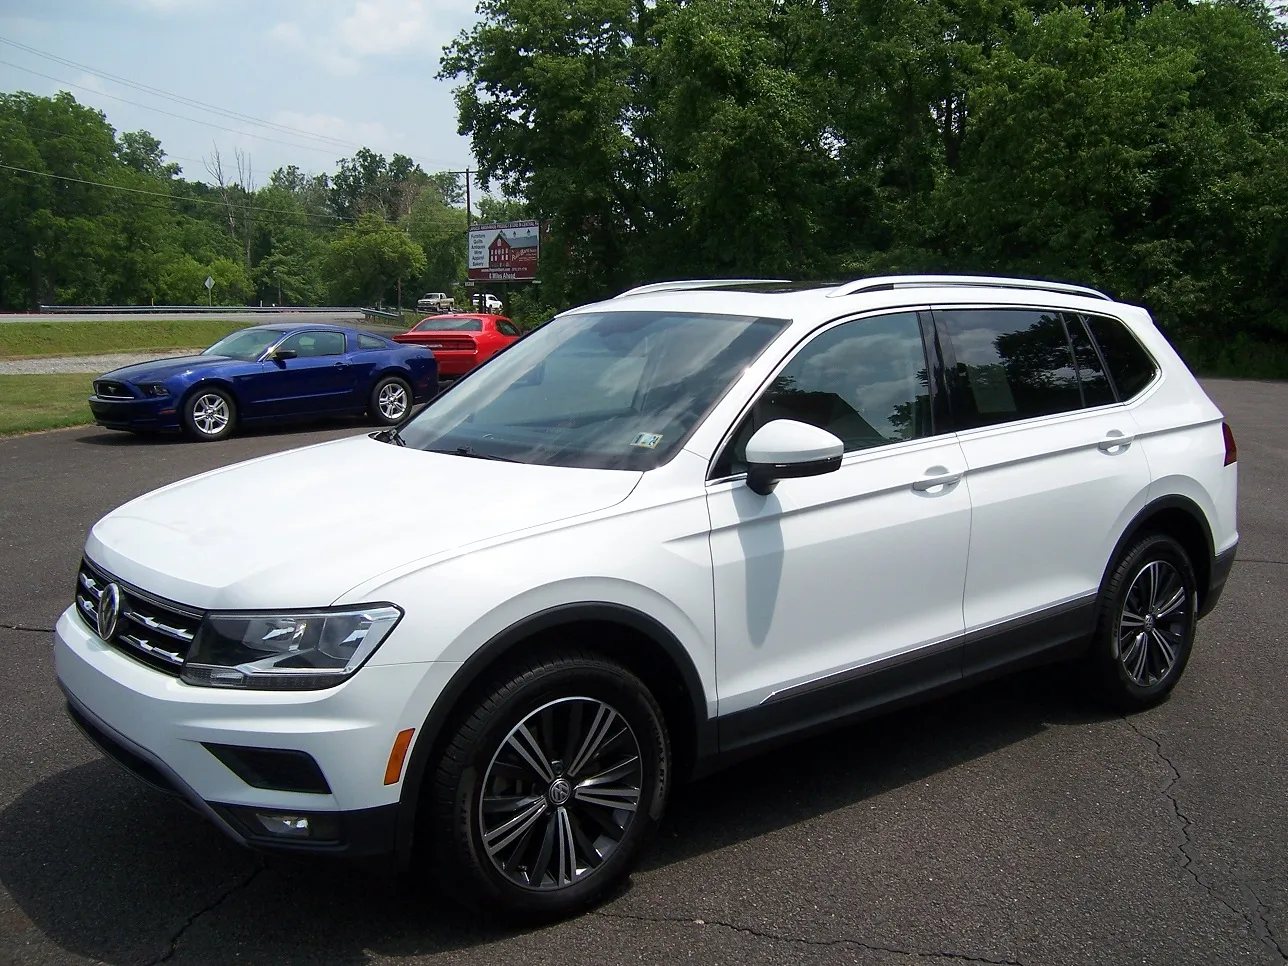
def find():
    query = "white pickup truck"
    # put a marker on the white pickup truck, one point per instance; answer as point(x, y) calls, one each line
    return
point(435, 302)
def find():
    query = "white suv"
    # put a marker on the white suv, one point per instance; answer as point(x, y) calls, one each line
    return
point(675, 527)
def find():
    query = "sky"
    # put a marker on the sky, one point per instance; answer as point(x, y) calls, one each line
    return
point(331, 75)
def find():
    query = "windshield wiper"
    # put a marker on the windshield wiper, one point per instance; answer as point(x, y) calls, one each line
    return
point(473, 454)
point(390, 435)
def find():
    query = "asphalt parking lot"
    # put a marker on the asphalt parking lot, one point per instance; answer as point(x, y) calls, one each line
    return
point(1012, 824)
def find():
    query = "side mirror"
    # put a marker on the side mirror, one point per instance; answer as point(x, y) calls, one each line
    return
point(281, 355)
point(788, 449)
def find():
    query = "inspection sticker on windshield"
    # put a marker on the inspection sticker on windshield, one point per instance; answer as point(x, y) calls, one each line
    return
point(647, 440)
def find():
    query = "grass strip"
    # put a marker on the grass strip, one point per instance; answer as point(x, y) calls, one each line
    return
point(58, 338)
point(29, 403)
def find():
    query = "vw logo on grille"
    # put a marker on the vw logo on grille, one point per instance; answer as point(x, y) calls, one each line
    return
point(109, 611)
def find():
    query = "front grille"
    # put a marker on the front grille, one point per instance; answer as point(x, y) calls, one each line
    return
point(154, 631)
point(106, 389)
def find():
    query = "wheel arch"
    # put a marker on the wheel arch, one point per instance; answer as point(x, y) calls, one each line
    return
point(642, 644)
point(1182, 519)
point(206, 382)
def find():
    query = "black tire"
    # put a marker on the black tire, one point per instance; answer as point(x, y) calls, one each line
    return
point(1135, 669)
point(209, 414)
point(557, 696)
point(384, 393)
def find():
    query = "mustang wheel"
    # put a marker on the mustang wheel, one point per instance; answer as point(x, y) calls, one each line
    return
point(1148, 616)
point(209, 414)
point(550, 786)
point(390, 399)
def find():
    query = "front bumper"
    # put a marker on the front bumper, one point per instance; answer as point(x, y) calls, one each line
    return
point(137, 414)
point(161, 730)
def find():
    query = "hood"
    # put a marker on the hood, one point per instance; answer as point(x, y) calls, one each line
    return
point(298, 529)
point(160, 370)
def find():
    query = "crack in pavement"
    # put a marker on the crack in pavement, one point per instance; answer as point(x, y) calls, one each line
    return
point(218, 901)
point(1260, 560)
point(1270, 937)
point(26, 627)
point(1257, 926)
point(777, 937)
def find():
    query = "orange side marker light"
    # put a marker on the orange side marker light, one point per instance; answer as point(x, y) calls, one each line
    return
point(393, 770)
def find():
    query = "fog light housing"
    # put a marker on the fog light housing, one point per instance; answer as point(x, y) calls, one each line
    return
point(290, 826)
point(283, 825)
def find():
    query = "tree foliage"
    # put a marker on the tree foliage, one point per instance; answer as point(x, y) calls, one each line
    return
point(88, 216)
point(1136, 145)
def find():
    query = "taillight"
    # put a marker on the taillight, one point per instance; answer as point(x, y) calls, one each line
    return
point(1231, 449)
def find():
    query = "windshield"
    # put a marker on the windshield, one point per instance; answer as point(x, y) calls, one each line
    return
point(247, 345)
point(440, 324)
point(605, 390)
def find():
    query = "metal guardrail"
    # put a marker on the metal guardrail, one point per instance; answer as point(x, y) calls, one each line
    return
point(205, 309)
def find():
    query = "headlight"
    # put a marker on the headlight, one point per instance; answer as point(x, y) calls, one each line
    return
point(155, 389)
point(300, 651)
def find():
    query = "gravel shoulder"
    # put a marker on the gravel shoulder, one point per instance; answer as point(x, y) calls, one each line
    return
point(95, 364)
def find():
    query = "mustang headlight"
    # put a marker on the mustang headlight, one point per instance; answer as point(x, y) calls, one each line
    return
point(300, 651)
point(155, 389)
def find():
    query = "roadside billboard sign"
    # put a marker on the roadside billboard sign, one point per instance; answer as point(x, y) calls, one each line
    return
point(505, 252)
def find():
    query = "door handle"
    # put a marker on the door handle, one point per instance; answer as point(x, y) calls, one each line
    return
point(936, 476)
point(1114, 439)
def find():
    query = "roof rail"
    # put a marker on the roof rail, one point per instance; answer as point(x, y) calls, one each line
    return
point(695, 283)
point(890, 282)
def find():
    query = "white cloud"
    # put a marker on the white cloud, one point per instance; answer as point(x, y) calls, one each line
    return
point(378, 28)
point(331, 126)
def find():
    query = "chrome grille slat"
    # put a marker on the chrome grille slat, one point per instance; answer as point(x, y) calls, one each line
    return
point(152, 630)
point(152, 624)
point(141, 644)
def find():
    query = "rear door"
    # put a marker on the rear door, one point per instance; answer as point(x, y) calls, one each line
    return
point(1054, 470)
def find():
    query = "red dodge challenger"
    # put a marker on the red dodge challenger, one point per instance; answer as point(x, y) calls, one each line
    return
point(461, 341)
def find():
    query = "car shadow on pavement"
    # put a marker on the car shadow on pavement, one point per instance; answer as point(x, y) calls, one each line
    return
point(119, 438)
point(107, 869)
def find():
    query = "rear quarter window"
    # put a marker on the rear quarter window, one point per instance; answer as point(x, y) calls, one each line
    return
point(371, 342)
point(1130, 366)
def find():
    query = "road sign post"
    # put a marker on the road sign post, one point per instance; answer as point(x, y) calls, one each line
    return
point(210, 284)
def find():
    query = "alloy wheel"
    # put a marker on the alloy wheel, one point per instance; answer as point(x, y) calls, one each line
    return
point(210, 413)
point(392, 401)
point(1154, 623)
point(560, 793)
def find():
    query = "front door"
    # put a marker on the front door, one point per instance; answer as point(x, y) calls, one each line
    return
point(320, 379)
point(836, 592)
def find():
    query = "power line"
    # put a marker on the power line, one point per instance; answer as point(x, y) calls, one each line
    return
point(87, 140)
point(192, 102)
point(182, 117)
point(179, 98)
point(172, 198)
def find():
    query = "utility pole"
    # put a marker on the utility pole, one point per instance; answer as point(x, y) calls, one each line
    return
point(467, 198)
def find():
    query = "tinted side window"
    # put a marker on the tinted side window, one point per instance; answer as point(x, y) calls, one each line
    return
point(1129, 364)
point(1011, 364)
point(865, 381)
point(371, 342)
point(505, 328)
point(1096, 389)
point(310, 344)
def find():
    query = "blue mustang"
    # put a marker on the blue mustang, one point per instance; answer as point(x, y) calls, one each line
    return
point(268, 373)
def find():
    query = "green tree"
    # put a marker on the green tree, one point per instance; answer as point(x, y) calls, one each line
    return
point(367, 261)
point(439, 230)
